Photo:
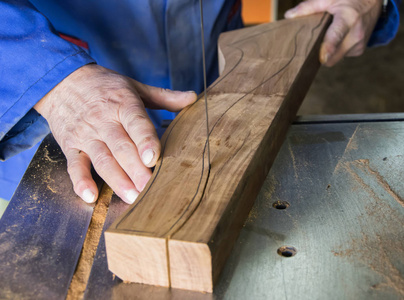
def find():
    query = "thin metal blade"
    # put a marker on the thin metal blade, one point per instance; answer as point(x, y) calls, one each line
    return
point(204, 81)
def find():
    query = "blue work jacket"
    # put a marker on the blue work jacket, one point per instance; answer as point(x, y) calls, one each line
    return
point(156, 42)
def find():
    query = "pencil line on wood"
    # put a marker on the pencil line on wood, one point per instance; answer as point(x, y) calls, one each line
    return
point(213, 127)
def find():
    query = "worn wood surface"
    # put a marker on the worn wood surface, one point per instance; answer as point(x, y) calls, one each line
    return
point(42, 230)
point(183, 227)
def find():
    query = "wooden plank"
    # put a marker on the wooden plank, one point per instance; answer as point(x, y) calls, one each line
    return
point(42, 230)
point(95, 229)
point(184, 225)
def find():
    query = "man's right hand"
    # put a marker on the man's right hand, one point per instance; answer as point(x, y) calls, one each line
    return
point(98, 117)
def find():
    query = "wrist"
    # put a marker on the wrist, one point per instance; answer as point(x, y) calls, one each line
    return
point(40, 106)
point(63, 89)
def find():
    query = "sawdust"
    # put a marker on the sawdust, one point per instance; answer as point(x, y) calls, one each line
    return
point(380, 179)
point(48, 157)
point(51, 189)
point(364, 165)
point(83, 269)
point(45, 169)
point(373, 252)
point(347, 166)
point(270, 185)
point(265, 199)
point(380, 247)
point(352, 143)
point(252, 216)
point(292, 155)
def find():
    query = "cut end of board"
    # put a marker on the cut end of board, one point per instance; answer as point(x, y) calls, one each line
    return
point(190, 266)
point(137, 258)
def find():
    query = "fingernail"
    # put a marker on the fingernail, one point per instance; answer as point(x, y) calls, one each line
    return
point(131, 196)
point(325, 58)
point(88, 196)
point(147, 156)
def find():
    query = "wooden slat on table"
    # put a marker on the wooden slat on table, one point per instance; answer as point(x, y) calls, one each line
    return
point(42, 230)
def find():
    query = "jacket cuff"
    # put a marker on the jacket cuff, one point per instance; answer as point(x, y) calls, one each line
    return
point(31, 129)
point(386, 27)
point(22, 127)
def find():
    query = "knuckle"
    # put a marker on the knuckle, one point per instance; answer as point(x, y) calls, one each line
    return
point(72, 166)
point(95, 112)
point(134, 107)
point(79, 185)
point(67, 142)
point(112, 81)
point(136, 120)
point(103, 160)
point(150, 140)
point(304, 8)
point(123, 146)
point(351, 15)
point(119, 81)
point(117, 94)
point(133, 112)
point(338, 33)
point(354, 16)
point(165, 91)
point(111, 132)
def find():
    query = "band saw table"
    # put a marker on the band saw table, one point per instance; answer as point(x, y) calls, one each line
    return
point(327, 224)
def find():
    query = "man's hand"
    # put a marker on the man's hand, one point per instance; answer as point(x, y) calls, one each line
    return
point(98, 117)
point(352, 26)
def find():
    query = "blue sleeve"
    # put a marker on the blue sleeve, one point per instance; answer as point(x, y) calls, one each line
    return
point(33, 60)
point(387, 25)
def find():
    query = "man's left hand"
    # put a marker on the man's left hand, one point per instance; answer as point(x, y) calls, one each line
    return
point(350, 30)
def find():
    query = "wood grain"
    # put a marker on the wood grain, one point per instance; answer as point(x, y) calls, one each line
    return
point(184, 225)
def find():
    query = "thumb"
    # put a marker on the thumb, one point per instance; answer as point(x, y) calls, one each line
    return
point(308, 7)
point(159, 98)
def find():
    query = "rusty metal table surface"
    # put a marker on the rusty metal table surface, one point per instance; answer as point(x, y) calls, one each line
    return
point(327, 224)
